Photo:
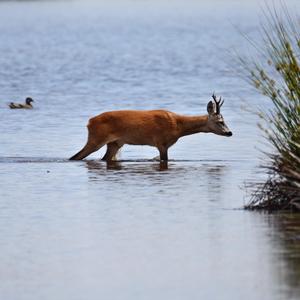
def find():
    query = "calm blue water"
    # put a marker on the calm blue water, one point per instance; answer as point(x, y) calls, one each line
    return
point(84, 230)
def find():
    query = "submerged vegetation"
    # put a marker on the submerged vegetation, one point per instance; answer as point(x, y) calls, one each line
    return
point(277, 76)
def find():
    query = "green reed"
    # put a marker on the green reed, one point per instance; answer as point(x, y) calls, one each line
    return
point(277, 76)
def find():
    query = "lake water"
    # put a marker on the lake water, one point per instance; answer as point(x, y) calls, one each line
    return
point(85, 230)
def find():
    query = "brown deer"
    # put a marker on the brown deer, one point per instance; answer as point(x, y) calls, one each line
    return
point(158, 128)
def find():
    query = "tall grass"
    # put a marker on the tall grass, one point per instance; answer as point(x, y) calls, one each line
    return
point(277, 76)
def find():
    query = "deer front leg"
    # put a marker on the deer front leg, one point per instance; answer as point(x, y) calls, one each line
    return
point(163, 153)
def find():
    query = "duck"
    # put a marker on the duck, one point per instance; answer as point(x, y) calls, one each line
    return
point(26, 105)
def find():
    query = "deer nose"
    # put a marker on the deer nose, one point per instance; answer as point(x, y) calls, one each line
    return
point(229, 133)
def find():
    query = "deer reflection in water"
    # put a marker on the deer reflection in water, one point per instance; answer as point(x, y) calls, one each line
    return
point(97, 166)
point(202, 175)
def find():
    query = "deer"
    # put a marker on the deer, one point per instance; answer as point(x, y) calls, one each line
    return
point(157, 128)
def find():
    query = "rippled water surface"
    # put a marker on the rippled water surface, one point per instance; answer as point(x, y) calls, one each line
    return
point(132, 229)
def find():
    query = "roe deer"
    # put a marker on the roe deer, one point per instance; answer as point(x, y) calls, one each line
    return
point(158, 128)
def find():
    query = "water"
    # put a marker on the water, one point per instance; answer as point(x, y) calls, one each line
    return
point(132, 230)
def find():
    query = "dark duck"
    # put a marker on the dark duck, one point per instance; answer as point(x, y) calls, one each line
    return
point(26, 105)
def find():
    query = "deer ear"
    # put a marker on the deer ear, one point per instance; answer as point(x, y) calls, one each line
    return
point(211, 108)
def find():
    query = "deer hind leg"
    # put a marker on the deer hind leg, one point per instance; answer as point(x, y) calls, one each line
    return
point(112, 150)
point(93, 144)
point(86, 150)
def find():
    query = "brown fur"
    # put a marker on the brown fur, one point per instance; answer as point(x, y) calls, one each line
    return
point(158, 128)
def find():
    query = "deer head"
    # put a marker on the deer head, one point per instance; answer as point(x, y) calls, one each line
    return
point(216, 122)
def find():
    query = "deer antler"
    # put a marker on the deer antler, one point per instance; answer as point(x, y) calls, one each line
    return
point(218, 103)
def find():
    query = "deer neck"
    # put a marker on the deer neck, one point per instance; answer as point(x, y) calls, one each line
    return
point(189, 125)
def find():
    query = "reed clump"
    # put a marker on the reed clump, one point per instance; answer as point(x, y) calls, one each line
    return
point(277, 76)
